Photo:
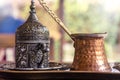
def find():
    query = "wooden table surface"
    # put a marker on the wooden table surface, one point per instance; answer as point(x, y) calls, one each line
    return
point(61, 75)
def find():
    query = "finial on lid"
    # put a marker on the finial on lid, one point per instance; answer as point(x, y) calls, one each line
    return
point(32, 7)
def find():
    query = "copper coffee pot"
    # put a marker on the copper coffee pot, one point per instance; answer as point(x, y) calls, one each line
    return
point(89, 48)
point(90, 53)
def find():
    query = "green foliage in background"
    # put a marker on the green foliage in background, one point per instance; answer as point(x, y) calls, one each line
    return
point(92, 18)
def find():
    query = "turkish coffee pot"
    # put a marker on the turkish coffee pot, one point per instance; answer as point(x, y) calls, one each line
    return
point(90, 52)
point(89, 48)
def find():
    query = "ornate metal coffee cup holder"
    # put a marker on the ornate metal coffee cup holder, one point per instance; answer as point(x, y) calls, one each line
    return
point(32, 47)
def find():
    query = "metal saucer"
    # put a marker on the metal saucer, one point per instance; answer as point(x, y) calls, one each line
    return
point(52, 66)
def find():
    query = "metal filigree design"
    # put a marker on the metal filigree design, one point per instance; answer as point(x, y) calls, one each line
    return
point(32, 43)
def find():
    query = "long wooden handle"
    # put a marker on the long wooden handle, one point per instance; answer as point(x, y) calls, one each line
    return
point(52, 14)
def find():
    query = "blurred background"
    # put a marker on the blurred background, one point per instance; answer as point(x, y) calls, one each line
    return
point(83, 16)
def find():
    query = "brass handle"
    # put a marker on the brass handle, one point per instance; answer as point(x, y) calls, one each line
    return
point(52, 14)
